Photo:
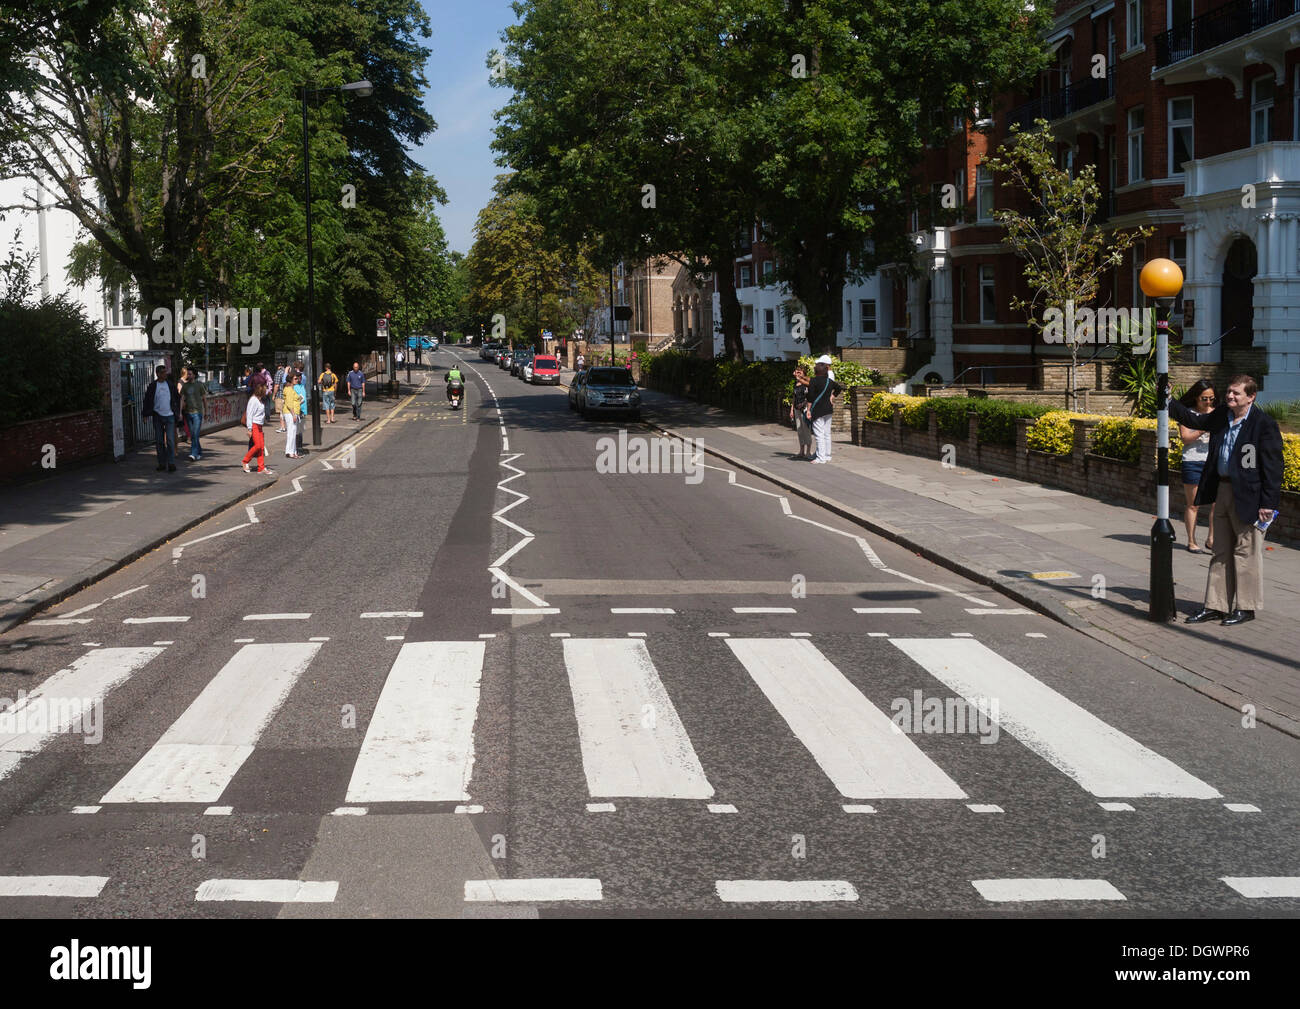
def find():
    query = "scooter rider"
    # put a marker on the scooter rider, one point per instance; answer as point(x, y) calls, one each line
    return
point(453, 376)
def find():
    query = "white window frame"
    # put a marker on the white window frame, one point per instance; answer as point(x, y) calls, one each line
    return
point(1136, 137)
point(769, 322)
point(1169, 12)
point(848, 316)
point(746, 276)
point(983, 194)
point(769, 268)
point(1187, 122)
point(1178, 254)
point(1258, 105)
point(988, 281)
point(1133, 23)
point(1295, 101)
point(867, 317)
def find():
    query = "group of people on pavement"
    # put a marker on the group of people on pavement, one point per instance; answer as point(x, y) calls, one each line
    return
point(812, 405)
point(170, 403)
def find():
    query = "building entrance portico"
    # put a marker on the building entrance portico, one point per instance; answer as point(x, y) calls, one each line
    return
point(1242, 218)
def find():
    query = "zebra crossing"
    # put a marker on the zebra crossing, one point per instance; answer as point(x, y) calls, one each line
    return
point(421, 743)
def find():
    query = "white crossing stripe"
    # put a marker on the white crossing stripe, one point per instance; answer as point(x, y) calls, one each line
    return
point(420, 743)
point(885, 609)
point(642, 609)
point(768, 890)
point(1264, 886)
point(980, 611)
point(1103, 760)
point(278, 616)
point(633, 743)
point(392, 614)
point(1000, 890)
point(200, 754)
point(60, 621)
point(155, 620)
point(276, 891)
point(51, 886)
point(532, 890)
point(852, 740)
point(67, 699)
point(763, 609)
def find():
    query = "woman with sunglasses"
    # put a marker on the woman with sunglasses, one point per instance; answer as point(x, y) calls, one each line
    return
point(1196, 449)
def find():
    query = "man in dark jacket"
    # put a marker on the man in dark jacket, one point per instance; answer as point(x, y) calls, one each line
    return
point(162, 402)
point(1243, 474)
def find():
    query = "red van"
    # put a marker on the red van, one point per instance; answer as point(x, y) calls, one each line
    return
point(545, 369)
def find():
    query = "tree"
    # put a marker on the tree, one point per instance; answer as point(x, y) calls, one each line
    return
point(1064, 253)
point(514, 271)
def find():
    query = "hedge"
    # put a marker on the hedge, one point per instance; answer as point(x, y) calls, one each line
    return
point(675, 369)
point(997, 417)
point(50, 357)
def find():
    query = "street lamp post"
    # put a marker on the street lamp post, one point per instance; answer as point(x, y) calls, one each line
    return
point(362, 89)
point(1161, 279)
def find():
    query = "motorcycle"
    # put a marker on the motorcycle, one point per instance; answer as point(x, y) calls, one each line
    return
point(455, 390)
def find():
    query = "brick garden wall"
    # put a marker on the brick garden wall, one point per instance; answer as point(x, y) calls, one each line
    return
point(75, 437)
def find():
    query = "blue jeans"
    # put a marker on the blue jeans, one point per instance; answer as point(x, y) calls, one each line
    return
point(164, 429)
point(196, 425)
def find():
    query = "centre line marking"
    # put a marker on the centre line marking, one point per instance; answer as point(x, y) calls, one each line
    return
point(278, 616)
point(763, 609)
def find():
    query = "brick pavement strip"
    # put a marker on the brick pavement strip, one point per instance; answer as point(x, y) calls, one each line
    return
point(1234, 669)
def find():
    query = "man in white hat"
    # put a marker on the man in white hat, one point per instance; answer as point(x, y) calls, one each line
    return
point(821, 400)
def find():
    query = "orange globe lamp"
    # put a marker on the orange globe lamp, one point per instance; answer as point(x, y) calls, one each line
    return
point(1161, 278)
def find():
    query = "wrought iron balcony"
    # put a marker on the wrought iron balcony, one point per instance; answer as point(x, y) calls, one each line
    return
point(1059, 104)
point(1223, 24)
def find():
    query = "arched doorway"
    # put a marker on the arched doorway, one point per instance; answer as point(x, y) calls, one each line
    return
point(1236, 314)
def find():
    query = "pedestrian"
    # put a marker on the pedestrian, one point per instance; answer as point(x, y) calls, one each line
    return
point(246, 378)
point(290, 417)
point(194, 402)
point(254, 419)
point(821, 402)
point(357, 389)
point(163, 403)
point(328, 382)
point(1243, 479)
point(799, 414)
point(299, 387)
point(277, 392)
point(581, 362)
point(1196, 449)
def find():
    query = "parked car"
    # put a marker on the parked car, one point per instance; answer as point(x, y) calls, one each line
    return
point(488, 351)
point(609, 390)
point(544, 369)
point(503, 358)
point(517, 362)
point(575, 388)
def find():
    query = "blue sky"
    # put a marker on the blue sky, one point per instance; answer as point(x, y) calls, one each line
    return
point(462, 102)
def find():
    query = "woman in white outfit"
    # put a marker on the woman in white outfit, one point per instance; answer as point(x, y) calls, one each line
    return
point(292, 404)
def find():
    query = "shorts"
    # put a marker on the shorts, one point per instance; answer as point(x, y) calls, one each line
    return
point(1192, 472)
point(327, 399)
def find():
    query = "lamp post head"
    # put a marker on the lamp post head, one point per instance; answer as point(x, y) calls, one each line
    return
point(1161, 278)
point(363, 89)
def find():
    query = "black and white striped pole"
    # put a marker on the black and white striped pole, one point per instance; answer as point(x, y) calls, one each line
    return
point(1161, 279)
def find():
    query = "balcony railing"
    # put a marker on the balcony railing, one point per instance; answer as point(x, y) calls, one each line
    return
point(1080, 95)
point(1223, 24)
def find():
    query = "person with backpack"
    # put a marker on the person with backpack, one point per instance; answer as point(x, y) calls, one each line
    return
point(328, 383)
point(290, 415)
point(821, 401)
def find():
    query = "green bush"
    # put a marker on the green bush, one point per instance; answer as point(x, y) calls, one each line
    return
point(675, 369)
point(50, 357)
point(996, 416)
point(1054, 433)
point(998, 419)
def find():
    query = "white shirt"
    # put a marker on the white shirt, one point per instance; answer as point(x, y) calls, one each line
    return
point(256, 413)
point(162, 398)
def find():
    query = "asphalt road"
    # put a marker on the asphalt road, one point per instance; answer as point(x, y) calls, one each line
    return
point(437, 708)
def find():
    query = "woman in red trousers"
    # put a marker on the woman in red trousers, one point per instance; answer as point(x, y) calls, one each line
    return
point(254, 418)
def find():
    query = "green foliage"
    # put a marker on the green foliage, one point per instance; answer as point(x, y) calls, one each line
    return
point(1135, 374)
point(675, 370)
point(49, 357)
point(997, 417)
point(1054, 433)
point(1291, 462)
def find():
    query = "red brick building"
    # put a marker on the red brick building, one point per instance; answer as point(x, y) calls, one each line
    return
point(1190, 111)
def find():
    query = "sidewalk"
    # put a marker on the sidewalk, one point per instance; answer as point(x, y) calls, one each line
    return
point(1003, 532)
point(64, 532)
